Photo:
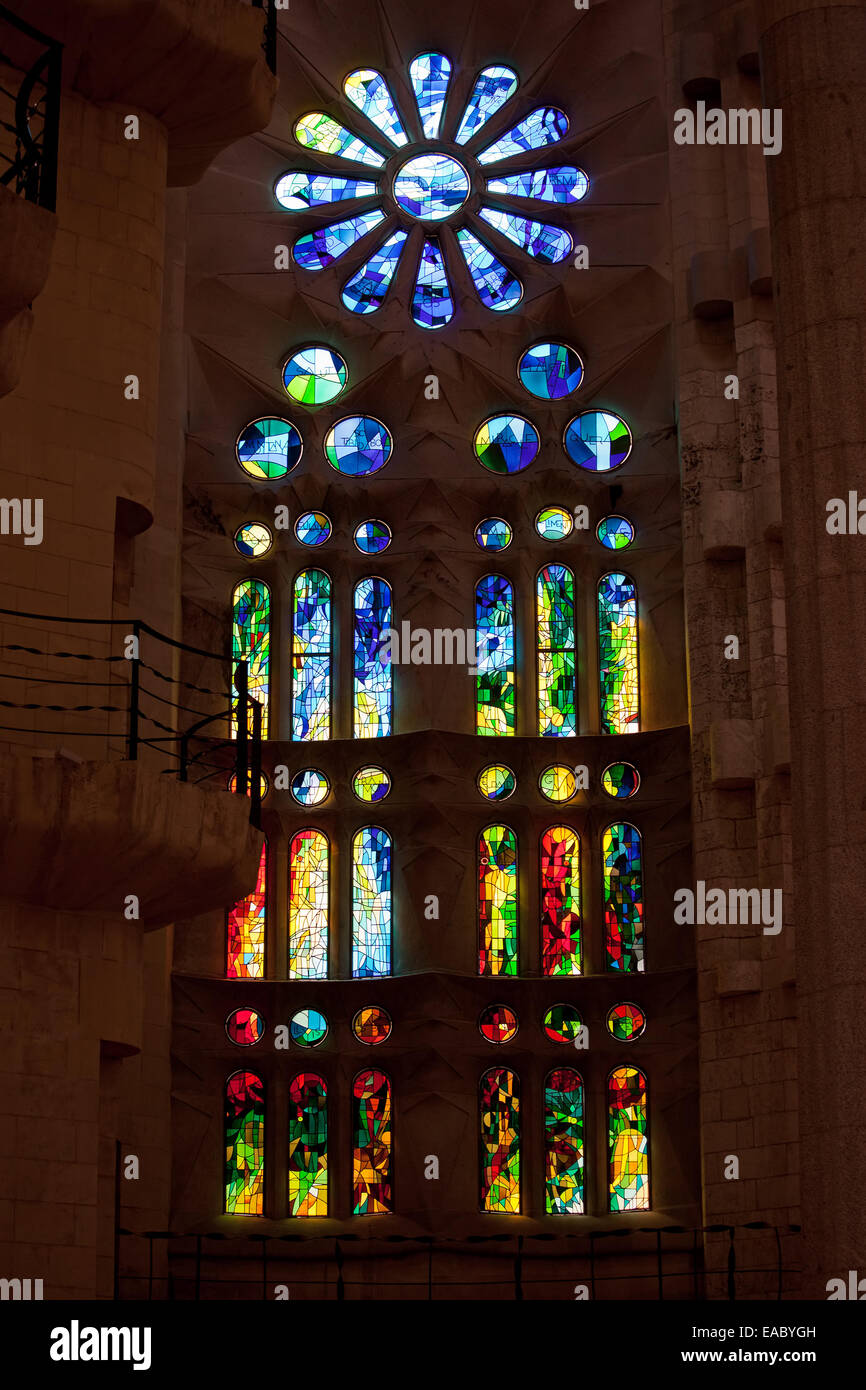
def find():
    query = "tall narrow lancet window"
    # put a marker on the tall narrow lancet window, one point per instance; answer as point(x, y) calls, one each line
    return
point(309, 875)
point(308, 1146)
point(619, 686)
point(563, 1143)
point(557, 704)
point(311, 656)
point(371, 903)
point(561, 945)
point(245, 929)
point(372, 1133)
point(494, 628)
point(624, 944)
point(251, 641)
point(500, 1141)
point(628, 1140)
point(373, 693)
point(497, 901)
point(245, 1144)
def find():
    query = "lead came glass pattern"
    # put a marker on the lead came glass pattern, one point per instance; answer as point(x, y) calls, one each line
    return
point(543, 127)
point(372, 537)
point(366, 291)
point(431, 187)
point(626, 1022)
point(253, 540)
point(493, 88)
point(371, 784)
point(430, 74)
point(494, 683)
point(245, 929)
point(543, 243)
point(563, 1143)
point(619, 689)
point(245, 1144)
point(620, 780)
point(315, 375)
point(495, 285)
point(369, 91)
point(308, 1146)
point(372, 1025)
point(557, 705)
point(623, 898)
point(251, 642)
point(562, 1024)
point(560, 902)
point(311, 657)
point(558, 783)
point(371, 903)
point(309, 787)
point(497, 901)
point(493, 534)
point(372, 1177)
point(628, 1140)
point(500, 1141)
point(309, 875)
point(308, 1028)
point(313, 528)
point(358, 446)
point(561, 184)
point(321, 133)
point(496, 782)
point(269, 448)
point(615, 532)
point(506, 443)
point(318, 249)
point(245, 1027)
point(498, 1024)
point(550, 371)
point(598, 441)
point(373, 680)
point(554, 524)
point(298, 192)
point(432, 303)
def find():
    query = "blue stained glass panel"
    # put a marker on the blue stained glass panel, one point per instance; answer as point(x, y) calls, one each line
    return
point(550, 371)
point(358, 445)
point(366, 291)
point(269, 448)
point(373, 688)
point(298, 192)
point(371, 903)
point(493, 88)
point(313, 528)
point(493, 534)
point(506, 443)
point(372, 537)
point(542, 127)
point(431, 187)
point(496, 287)
point(562, 184)
point(319, 249)
point(544, 243)
point(432, 302)
point(311, 656)
point(369, 91)
point(430, 74)
point(494, 627)
point(598, 441)
point(324, 135)
point(615, 532)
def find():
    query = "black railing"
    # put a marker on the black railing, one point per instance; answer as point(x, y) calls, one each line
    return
point(30, 69)
point(269, 38)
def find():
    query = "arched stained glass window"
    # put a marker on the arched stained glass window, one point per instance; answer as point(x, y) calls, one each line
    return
point(373, 694)
point(371, 903)
point(500, 1141)
point(623, 898)
point(251, 641)
point(494, 627)
point(430, 74)
point(245, 929)
point(372, 1134)
point(561, 945)
point(618, 655)
point(628, 1140)
point(493, 88)
point(563, 1143)
point(369, 91)
point(309, 875)
point(497, 901)
point(245, 1144)
point(542, 127)
point(311, 656)
point(308, 1146)
point(557, 705)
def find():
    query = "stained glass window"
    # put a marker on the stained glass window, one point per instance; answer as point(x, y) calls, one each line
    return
point(506, 443)
point(557, 703)
point(620, 780)
point(269, 448)
point(308, 1146)
point(623, 898)
point(311, 657)
point(252, 540)
point(561, 946)
point(245, 1027)
point(365, 292)
point(245, 1144)
point(371, 784)
point(493, 534)
point(619, 686)
point(298, 192)
point(558, 783)
point(496, 782)
point(315, 375)
point(542, 127)
point(309, 878)
point(430, 74)
point(372, 537)
point(232, 785)
point(500, 1141)
point(372, 1025)
point(245, 929)
point(432, 301)
point(493, 88)
point(615, 532)
point(563, 1143)
point(369, 91)
point(497, 901)
point(318, 249)
point(251, 641)
point(371, 903)
point(309, 787)
point(598, 441)
point(498, 1023)
point(497, 288)
point(628, 1140)
point(561, 184)
point(308, 1028)
point(562, 1024)
point(431, 187)
point(358, 446)
point(323, 134)
point(494, 626)
point(554, 524)
point(313, 528)
point(550, 371)
point(372, 1177)
point(626, 1022)
point(544, 243)
point(373, 692)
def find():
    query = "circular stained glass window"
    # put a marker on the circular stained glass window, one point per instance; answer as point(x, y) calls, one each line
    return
point(313, 528)
point(554, 524)
point(558, 783)
point(263, 784)
point(371, 784)
point(268, 449)
point(562, 1023)
point(625, 1022)
point(431, 187)
point(620, 780)
point(315, 375)
point(358, 445)
point(615, 532)
point(493, 534)
point(245, 1027)
point(308, 1028)
point(498, 1023)
point(371, 1025)
point(496, 782)
point(598, 441)
point(309, 787)
point(550, 371)
point(506, 443)
point(372, 537)
point(253, 539)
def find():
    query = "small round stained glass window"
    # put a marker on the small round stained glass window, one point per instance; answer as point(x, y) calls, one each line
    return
point(626, 1022)
point(269, 448)
point(253, 539)
point(308, 1028)
point(315, 375)
point(554, 524)
point(558, 783)
point(372, 537)
point(371, 1025)
point(313, 528)
point(431, 187)
point(550, 371)
point(498, 1023)
point(562, 1023)
point(615, 532)
point(598, 441)
point(358, 446)
point(620, 780)
point(506, 443)
point(310, 787)
point(371, 784)
point(245, 1027)
point(496, 782)
point(493, 534)
point(263, 784)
